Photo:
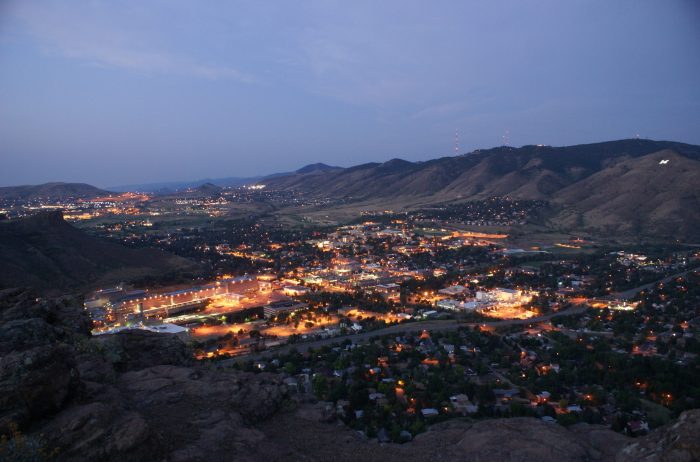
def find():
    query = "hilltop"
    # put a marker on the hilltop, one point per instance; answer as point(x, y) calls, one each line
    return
point(45, 252)
point(317, 168)
point(53, 191)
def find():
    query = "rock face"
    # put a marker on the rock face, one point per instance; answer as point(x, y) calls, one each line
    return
point(135, 396)
point(138, 396)
point(37, 364)
point(137, 349)
point(518, 439)
point(676, 442)
point(188, 414)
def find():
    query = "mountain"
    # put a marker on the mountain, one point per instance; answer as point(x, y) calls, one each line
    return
point(55, 191)
point(124, 397)
point(655, 194)
point(173, 186)
point(209, 188)
point(201, 191)
point(45, 252)
point(624, 186)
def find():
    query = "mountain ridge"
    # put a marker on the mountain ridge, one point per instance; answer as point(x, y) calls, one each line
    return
point(563, 176)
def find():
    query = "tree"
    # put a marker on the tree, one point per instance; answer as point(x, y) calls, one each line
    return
point(320, 386)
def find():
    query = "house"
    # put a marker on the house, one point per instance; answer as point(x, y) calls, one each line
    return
point(448, 348)
point(341, 406)
point(637, 427)
point(505, 394)
point(292, 384)
point(460, 403)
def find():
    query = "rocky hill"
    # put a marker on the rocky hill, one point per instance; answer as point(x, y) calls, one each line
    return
point(52, 191)
point(625, 187)
point(138, 396)
point(45, 252)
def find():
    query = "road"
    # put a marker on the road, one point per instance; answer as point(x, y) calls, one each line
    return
point(434, 325)
point(627, 294)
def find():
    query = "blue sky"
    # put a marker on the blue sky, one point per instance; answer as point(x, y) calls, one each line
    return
point(142, 91)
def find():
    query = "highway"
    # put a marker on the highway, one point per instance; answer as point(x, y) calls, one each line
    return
point(628, 294)
point(434, 325)
point(450, 324)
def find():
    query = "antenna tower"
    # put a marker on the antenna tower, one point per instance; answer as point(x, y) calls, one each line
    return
point(506, 138)
point(456, 142)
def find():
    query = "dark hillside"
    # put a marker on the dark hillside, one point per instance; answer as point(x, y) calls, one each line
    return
point(47, 253)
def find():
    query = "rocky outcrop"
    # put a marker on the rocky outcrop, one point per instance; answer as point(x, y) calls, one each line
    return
point(134, 396)
point(517, 439)
point(138, 396)
point(186, 413)
point(37, 359)
point(676, 442)
point(137, 349)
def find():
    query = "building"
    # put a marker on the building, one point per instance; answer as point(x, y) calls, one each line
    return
point(460, 403)
point(293, 291)
point(452, 290)
point(119, 305)
point(164, 328)
point(456, 305)
point(286, 306)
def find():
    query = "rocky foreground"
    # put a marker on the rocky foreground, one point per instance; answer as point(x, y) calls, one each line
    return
point(139, 396)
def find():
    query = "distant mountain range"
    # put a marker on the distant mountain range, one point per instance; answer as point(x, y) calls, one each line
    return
point(529, 172)
point(170, 187)
point(634, 185)
point(229, 182)
point(62, 191)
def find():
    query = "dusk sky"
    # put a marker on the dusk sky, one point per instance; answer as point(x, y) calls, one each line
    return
point(114, 93)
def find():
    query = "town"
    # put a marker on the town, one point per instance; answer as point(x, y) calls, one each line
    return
point(395, 231)
point(398, 321)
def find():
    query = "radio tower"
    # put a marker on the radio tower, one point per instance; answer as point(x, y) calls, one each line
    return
point(506, 138)
point(456, 142)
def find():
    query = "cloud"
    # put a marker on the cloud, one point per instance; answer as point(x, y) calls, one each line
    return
point(98, 34)
point(149, 62)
